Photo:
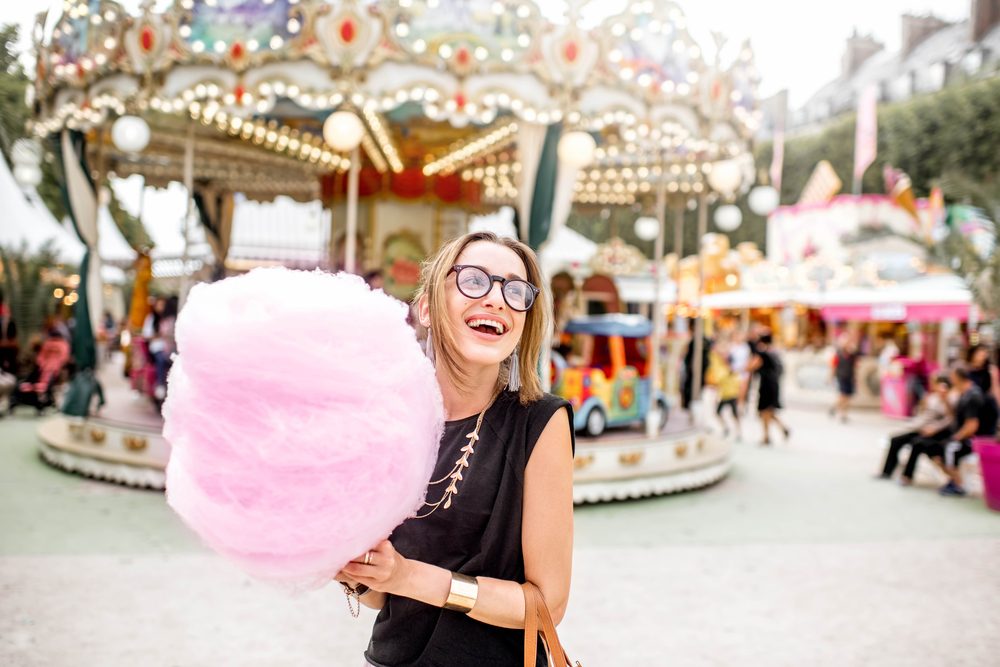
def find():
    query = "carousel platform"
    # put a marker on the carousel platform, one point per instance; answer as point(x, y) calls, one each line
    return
point(124, 444)
point(626, 464)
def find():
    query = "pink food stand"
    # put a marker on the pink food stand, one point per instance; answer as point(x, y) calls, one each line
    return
point(895, 388)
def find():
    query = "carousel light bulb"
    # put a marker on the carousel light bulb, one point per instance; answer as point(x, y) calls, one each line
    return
point(576, 148)
point(343, 131)
point(728, 218)
point(763, 200)
point(130, 134)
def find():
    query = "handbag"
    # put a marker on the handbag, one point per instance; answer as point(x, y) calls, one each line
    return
point(538, 620)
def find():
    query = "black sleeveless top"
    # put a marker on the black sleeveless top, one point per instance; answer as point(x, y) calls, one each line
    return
point(478, 535)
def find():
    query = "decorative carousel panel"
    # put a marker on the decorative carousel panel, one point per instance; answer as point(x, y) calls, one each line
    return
point(650, 48)
point(239, 32)
point(84, 41)
point(569, 55)
point(347, 34)
point(465, 35)
point(149, 42)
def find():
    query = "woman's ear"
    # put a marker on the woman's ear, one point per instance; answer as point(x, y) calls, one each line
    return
point(424, 312)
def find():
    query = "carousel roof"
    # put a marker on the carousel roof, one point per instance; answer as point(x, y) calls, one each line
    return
point(442, 87)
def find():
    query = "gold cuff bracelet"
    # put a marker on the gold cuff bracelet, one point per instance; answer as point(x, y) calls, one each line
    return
point(463, 593)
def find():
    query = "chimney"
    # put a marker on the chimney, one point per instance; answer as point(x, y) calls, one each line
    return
point(984, 15)
point(918, 28)
point(859, 49)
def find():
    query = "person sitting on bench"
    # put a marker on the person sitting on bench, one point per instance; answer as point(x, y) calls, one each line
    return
point(958, 444)
point(933, 421)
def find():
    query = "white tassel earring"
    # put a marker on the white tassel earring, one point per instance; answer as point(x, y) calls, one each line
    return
point(429, 347)
point(514, 372)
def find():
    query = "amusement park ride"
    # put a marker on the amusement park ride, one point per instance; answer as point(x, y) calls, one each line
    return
point(466, 104)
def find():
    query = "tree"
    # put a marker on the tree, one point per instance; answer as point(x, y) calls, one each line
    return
point(27, 287)
point(980, 271)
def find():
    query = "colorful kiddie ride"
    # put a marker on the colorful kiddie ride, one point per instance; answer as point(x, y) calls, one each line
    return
point(606, 378)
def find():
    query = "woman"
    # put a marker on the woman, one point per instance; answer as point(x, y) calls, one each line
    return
point(499, 508)
point(766, 364)
point(845, 372)
point(984, 375)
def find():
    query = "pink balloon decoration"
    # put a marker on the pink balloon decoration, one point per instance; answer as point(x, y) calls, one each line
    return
point(304, 421)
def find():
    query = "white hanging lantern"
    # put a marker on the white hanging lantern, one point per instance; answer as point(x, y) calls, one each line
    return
point(728, 217)
point(343, 131)
point(576, 149)
point(27, 176)
point(130, 134)
point(26, 156)
point(725, 177)
point(763, 200)
point(647, 228)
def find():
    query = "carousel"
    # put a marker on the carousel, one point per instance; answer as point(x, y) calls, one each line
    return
point(405, 119)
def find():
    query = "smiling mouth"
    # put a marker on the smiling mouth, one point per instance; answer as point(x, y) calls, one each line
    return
point(486, 326)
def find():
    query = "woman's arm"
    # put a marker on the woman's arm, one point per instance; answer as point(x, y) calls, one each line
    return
point(547, 543)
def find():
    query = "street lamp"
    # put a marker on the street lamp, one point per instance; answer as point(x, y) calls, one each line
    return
point(728, 217)
point(763, 200)
point(130, 134)
point(576, 148)
point(652, 229)
point(647, 228)
point(725, 177)
point(343, 131)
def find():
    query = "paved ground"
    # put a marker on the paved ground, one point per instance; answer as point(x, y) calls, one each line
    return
point(799, 557)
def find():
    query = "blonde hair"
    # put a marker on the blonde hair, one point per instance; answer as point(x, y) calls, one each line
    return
point(433, 277)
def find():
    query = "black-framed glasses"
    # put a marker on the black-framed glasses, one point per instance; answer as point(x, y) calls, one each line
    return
point(475, 282)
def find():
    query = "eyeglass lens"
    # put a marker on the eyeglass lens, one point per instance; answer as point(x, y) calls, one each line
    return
point(475, 283)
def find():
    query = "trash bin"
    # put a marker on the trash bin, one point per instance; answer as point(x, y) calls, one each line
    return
point(988, 449)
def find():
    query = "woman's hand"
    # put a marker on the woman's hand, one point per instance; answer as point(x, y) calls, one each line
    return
point(386, 571)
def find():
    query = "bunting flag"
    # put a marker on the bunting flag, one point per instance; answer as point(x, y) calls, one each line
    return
point(778, 159)
point(822, 185)
point(900, 189)
point(866, 135)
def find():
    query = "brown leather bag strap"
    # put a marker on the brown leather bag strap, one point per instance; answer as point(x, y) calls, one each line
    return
point(530, 627)
point(538, 619)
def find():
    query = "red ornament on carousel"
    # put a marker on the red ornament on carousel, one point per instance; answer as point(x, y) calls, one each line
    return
point(571, 51)
point(147, 38)
point(348, 31)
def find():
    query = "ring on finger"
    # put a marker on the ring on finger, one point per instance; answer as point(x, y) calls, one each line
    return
point(368, 558)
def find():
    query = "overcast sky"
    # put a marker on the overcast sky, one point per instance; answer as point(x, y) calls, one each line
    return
point(798, 43)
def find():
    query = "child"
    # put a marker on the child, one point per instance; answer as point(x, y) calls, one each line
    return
point(729, 385)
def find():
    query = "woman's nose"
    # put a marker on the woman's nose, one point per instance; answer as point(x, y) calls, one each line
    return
point(495, 295)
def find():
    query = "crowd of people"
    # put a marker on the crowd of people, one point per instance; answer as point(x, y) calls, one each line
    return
point(30, 374)
point(961, 405)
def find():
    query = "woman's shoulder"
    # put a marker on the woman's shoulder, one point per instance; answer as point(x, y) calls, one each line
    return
point(528, 420)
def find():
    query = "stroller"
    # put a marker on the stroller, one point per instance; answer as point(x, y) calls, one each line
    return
point(38, 387)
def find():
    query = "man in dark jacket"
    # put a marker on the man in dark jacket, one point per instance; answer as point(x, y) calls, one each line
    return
point(949, 451)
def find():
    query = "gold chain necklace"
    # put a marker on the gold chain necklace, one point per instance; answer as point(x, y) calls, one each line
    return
point(455, 476)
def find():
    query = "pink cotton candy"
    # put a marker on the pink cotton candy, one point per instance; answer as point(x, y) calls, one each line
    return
point(304, 421)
